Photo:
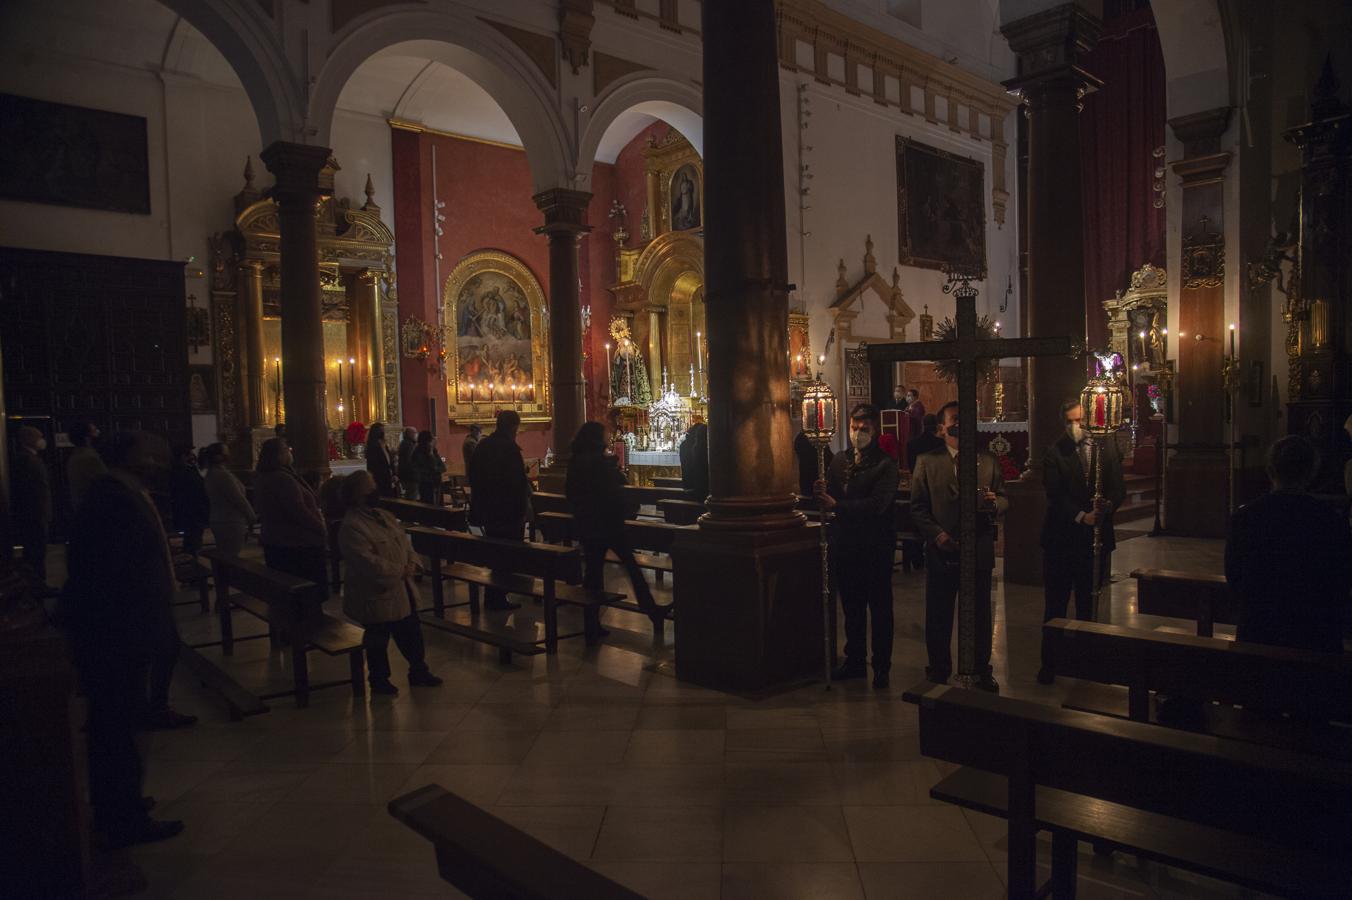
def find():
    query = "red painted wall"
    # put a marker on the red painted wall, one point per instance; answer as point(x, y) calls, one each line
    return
point(487, 191)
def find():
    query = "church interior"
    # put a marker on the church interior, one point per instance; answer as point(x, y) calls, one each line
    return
point(620, 359)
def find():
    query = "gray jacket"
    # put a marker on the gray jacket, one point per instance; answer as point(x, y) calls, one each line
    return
point(934, 501)
point(376, 552)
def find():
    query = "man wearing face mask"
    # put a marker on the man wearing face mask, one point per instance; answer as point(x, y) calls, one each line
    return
point(1068, 529)
point(32, 500)
point(859, 490)
point(936, 511)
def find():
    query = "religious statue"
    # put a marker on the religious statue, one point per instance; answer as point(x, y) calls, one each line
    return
point(628, 373)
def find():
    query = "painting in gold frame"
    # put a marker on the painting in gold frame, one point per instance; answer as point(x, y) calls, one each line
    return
point(801, 363)
point(497, 348)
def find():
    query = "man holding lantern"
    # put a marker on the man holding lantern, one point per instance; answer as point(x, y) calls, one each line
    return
point(1068, 469)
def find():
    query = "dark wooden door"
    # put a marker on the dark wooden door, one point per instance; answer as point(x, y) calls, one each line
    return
point(94, 338)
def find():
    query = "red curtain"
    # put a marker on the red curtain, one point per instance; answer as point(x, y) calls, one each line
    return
point(1120, 128)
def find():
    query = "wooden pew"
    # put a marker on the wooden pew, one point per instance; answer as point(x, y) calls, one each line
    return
point(680, 512)
point(484, 857)
point(1120, 668)
point(1185, 595)
point(652, 496)
point(1267, 819)
point(430, 515)
point(239, 700)
point(189, 570)
point(294, 614)
point(542, 571)
point(667, 482)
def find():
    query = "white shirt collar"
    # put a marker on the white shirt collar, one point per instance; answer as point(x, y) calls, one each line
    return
point(952, 451)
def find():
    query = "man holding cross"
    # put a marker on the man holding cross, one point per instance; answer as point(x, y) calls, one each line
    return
point(937, 513)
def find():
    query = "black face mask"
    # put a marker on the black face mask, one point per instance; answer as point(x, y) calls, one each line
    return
point(951, 431)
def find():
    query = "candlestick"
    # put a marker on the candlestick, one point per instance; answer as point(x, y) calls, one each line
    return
point(277, 397)
point(699, 356)
point(608, 376)
point(1232, 340)
point(352, 385)
point(1141, 335)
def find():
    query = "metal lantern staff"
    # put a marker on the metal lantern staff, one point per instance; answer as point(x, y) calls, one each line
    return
point(819, 426)
point(1104, 401)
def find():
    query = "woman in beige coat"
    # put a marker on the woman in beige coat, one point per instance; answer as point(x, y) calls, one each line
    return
point(378, 591)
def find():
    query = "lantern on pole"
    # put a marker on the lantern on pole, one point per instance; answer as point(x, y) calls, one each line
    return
point(819, 426)
point(1104, 402)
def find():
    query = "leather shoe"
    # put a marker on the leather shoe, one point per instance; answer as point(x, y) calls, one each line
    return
point(847, 671)
point(424, 679)
point(882, 680)
point(1046, 676)
point(147, 831)
point(988, 684)
point(385, 688)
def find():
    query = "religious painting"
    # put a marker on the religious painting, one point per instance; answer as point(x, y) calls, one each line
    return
point(686, 197)
point(800, 348)
point(941, 207)
point(498, 354)
point(202, 389)
point(73, 156)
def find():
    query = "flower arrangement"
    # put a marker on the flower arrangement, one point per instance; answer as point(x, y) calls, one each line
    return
point(355, 434)
point(1153, 392)
point(1009, 470)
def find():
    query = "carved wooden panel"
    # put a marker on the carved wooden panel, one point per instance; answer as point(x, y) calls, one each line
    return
point(98, 338)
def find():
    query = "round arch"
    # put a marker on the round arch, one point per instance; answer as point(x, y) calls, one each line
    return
point(1196, 64)
point(451, 37)
point(250, 45)
point(677, 102)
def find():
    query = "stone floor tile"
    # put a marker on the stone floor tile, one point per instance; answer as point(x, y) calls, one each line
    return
point(912, 834)
point(672, 747)
point(570, 748)
point(931, 881)
point(791, 881)
point(785, 834)
point(665, 880)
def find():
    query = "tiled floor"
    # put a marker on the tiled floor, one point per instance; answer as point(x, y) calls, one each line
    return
point(675, 791)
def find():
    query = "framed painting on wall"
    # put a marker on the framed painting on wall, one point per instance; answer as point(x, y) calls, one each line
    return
point(73, 156)
point(941, 207)
point(497, 354)
point(202, 389)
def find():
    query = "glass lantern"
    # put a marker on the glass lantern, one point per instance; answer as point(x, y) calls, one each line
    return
point(819, 412)
point(1104, 400)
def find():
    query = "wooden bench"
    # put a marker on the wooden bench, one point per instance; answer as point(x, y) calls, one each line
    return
point(484, 857)
point(1185, 595)
point(1257, 685)
point(239, 700)
point(1267, 819)
point(543, 571)
point(680, 512)
point(662, 482)
point(189, 570)
point(295, 617)
point(640, 495)
point(430, 515)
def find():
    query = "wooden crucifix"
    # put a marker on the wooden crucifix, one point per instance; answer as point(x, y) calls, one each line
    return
point(968, 349)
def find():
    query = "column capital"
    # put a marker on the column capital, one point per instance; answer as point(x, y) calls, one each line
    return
point(1048, 45)
point(1201, 132)
point(565, 211)
point(296, 167)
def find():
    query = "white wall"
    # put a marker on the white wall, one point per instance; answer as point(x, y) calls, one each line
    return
point(854, 194)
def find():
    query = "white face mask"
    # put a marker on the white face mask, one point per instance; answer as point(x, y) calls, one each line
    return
point(861, 438)
point(1075, 431)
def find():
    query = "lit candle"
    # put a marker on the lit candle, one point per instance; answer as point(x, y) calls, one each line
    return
point(699, 356)
point(277, 397)
point(608, 382)
point(492, 390)
point(352, 383)
point(1232, 341)
point(1164, 342)
point(471, 391)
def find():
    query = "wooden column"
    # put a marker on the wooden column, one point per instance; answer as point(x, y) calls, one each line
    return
point(565, 213)
point(1198, 470)
point(747, 581)
point(1048, 45)
point(296, 168)
point(255, 371)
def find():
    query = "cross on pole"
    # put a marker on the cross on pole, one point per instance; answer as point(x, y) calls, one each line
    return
point(968, 349)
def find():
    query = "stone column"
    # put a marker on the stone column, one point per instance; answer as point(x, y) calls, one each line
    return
point(1048, 44)
point(296, 168)
point(251, 276)
point(748, 580)
point(655, 350)
point(1198, 471)
point(565, 215)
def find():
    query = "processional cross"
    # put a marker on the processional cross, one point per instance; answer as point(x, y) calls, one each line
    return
point(968, 349)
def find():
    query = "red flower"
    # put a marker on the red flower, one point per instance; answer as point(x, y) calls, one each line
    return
point(1009, 470)
point(355, 434)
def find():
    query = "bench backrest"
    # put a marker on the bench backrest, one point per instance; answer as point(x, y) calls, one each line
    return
point(1249, 675)
point(1288, 797)
point(1185, 595)
point(545, 501)
point(653, 495)
point(680, 512)
point(414, 512)
point(547, 561)
point(257, 580)
point(643, 534)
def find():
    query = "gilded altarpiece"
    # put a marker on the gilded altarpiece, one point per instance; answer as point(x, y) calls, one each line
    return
point(359, 309)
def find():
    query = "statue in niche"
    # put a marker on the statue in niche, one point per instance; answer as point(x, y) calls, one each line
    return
point(685, 205)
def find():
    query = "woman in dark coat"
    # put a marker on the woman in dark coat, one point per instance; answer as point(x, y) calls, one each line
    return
point(595, 489)
point(425, 467)
point(694, 453)
point(291, 527)
point(379, 462)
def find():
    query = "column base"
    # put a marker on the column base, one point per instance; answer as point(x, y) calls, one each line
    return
point(750, 606)
point(1196, 494)
point(1023, 530)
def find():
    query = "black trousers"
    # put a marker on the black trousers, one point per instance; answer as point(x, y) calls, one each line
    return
point(116, 694)
point(192, 538)
point(34, 544)
point(1064, 573)
point(427, 491)
point(865, 587)
point(941, 592)
point(310, 563)
point(408, 637)
point(594, 563)
point(161, 674)
point(508, 532)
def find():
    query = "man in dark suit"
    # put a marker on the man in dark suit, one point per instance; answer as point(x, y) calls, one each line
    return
point(32, 501)
point(499, 498)
point(859, 490)
point(936, 511)
point(1068, 529)
point(117, 607)
point(1288, 559)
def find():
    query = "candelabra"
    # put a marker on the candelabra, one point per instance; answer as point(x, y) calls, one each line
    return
point(819, 426)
